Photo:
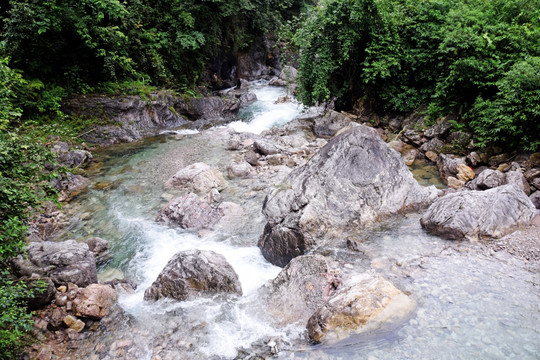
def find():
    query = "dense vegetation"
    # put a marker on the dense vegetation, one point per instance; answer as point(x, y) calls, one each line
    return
point(480, 59)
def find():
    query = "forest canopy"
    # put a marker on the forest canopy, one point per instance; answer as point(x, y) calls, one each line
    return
point(479, 59)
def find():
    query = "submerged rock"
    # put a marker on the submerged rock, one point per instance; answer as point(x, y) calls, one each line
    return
point(302, 287)
point(479, 214)
point(366, 302)
point(63, 262)
point(194, 272)
point(352, 181)
point(199, 178)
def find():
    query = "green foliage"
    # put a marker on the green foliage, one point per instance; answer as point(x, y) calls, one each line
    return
point(452, 55)
point(78, 44)
point(8, 79)
point(15, 320)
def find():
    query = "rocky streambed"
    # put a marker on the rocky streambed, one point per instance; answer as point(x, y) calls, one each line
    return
point(308, 240)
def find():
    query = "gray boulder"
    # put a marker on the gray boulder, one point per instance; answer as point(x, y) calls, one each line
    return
point(354, 180)
point(94, 301)
point(329, 124)
point(479, 214)
point(488, 179)
point(302, 287)
point(192, 212)
point(194, 272)
point(199, 178)
point(62, 262)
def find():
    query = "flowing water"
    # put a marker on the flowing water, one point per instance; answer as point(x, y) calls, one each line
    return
point(471, 304)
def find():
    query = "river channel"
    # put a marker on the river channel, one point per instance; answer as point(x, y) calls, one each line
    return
point(471, 303)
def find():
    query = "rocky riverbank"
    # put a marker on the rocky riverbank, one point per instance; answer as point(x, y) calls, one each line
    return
point(326, 175)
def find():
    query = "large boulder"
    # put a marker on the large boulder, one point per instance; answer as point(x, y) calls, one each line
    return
point(488, 179)
point(199, 178)
point(353, 181)
point(366, 302)
point(94, 301)
point(192, 212)
point(479, 214)
point(194, 272)
point(62, 262)
point(302, 287)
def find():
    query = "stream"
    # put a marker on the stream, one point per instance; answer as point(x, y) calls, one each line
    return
point(471, 303)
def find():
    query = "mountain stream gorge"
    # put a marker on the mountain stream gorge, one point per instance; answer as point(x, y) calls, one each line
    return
point(470, 302)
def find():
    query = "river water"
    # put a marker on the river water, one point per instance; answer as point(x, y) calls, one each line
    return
point(471, 303)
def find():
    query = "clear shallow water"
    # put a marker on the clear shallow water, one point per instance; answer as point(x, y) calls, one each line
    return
point(471, 305)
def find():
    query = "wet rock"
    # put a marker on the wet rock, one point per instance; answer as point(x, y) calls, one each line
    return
point(329, 124)
point(56, 318)
point(193, 273)
point(366, 302)
point(488, 179)
point(239, 170)
point(192, 212)
point(62, 262)
point(302, 287)
point(478, 214)
point(74, 323)
point(447, 165)
point(352, 181)
point(199, 178)
point(535, 199)
point(94, 301)
point(100, 248)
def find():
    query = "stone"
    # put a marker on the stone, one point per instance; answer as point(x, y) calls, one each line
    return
point(473, 159)
point(74, 323)
point(435, 145)
point(432, 156)
point(62, 262)
point(193, 273)
point(329, 124)
point(365, 303)
point(535, 199)
point(479, 214)
point(235, 143)
point(353, 181)
point(94, 301)
point(288, 73)
point(464, 173)
point(414, 137)
point(454, 183)
point(498, 159)
point(199, 178)
point(447, 165)
point(439, 130)
point(302, 287)
point(516, 177)
point(276, 159)
point(409, 155)
point(240, 170)
point(192, 212)
point(488, 179)
point(100, 248)
point(71, 159)
point(252, 158)
point(265, 147)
